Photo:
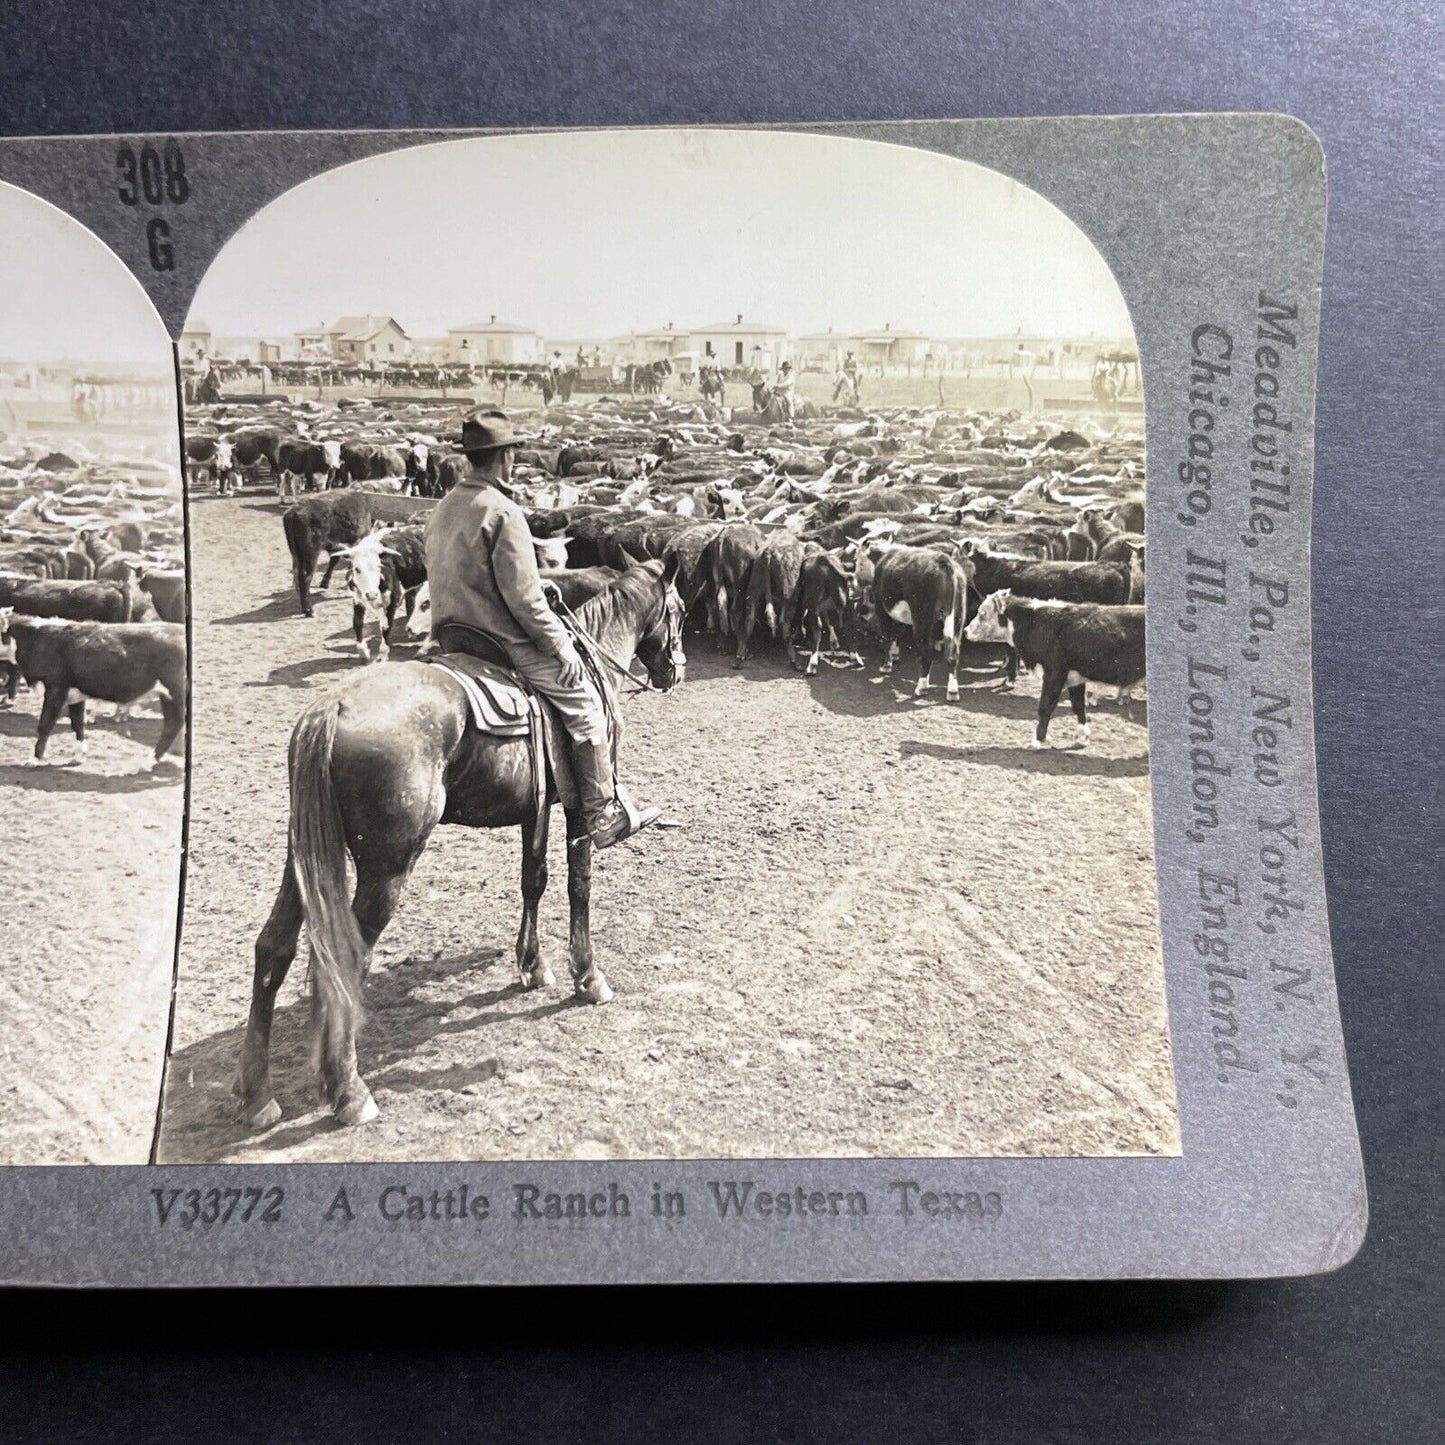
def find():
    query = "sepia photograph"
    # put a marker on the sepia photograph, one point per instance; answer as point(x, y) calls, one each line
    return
point(92, 693)
point(669, 666)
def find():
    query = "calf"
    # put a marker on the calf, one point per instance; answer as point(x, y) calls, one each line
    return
point(117, 663)
point(333, 521)
point(387, 565)
point(772, 591)
point(167, 592)
point(926, 592)
point(823, 602)
point(725, 563)
point(1074, 643)
point(212, 458)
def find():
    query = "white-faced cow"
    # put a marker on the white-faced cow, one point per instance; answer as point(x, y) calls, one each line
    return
point(387, 566)
point(1074, 643)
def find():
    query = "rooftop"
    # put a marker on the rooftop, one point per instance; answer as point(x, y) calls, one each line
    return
point(493, 326)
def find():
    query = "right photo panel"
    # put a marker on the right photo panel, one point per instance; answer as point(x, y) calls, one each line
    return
point(668, 666)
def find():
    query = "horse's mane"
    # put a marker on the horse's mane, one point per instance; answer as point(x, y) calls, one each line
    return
point(634, 592)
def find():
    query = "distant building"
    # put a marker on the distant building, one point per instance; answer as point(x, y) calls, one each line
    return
point(356, 339)
point(196, 341)
point(664, 343)
point(492, 340)
point(893, 350)
point(742, 343)
point(823, 350)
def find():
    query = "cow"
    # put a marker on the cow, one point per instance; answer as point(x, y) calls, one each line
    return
point(919, 591)
point(110, 563)
point(772, 590)
point(1047, 580)
point(212, 458)
point(1108, 583)
point(116, 663)
point(250, 447)
point(370, 462)
point(725, 563)
point(302, 461)
point(337, 519)
point(78, 601)
point(823, 602)
point(387, 566)
point(167, 592)
point(687, 544)
point(1075, 644)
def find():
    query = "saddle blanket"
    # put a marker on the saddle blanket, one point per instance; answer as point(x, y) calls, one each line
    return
point(498, 704)
point(501, 707)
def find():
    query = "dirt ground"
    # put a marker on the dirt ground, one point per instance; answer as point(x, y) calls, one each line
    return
point(886, 928)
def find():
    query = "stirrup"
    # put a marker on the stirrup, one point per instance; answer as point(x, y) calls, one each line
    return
point(629, 819)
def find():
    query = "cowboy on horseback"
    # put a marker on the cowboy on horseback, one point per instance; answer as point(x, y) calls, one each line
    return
point(487, 600)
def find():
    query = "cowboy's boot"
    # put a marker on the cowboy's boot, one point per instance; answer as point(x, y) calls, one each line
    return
point(610, 814)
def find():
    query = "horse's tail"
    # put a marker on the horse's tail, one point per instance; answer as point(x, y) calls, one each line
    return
point(318, 860)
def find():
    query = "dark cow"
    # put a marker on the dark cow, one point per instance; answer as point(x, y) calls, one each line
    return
point(337, 519)
point(570, 457)
point(1105, 582)
point(371, 462)
point(302, 461)
point(824, 604)
point(250, 447)
point(78, 601)
point(1128, 516)
point(167, 592)
point(128, 536)
point(772, 591)
point(116, 663)
point(924, 593)
point(1075, 643)
point(687, 544)
point(724, 564)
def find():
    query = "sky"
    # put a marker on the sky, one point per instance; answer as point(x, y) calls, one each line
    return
point(65, 295)
point(597, 234)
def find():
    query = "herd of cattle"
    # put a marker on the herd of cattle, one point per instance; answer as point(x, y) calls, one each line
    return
point(907, 527)
point(92, 586)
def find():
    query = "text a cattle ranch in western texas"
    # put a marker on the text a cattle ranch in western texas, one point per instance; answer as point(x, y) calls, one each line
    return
point(888, 924)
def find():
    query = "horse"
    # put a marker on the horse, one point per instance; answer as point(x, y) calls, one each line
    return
point(713, 384)
point(374, 767)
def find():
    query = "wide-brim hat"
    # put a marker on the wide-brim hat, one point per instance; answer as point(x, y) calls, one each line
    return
point(486, 430)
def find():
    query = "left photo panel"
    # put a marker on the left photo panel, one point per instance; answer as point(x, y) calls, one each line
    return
point(93, 692)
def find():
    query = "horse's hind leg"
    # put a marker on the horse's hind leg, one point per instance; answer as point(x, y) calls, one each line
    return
point(589, 982)
point(532, 968)
point(275, 952)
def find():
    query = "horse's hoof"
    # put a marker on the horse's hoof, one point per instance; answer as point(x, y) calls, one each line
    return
point(594, 990)
point(540, 977)
point(351, 1112)
point(269, 1113)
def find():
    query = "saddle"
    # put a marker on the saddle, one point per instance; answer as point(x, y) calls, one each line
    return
point(502, 705)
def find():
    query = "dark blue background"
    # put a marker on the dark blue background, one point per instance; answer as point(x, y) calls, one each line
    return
point(1353, 1357)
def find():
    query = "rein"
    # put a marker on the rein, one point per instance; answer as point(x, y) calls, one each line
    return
point(639, 684)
